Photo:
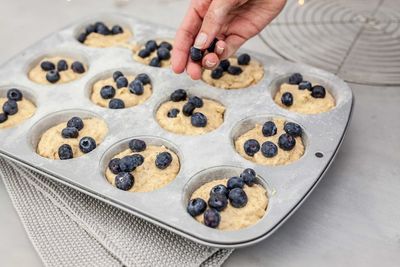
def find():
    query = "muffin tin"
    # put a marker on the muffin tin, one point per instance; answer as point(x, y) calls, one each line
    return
point(202, 157)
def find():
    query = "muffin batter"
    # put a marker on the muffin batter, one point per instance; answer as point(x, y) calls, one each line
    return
point(236, 218)
point(283, 157)
point(51, 140)
point(146, 60)
point(147, 176)
point(26, 109)
point(101, 41)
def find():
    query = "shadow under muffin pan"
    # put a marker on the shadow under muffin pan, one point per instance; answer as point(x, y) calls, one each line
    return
point(291, 183)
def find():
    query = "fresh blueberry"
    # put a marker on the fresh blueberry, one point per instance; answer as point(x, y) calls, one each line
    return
point(295, 78)
point(3, 117)
point(117, 74)
point(287, 99)
point(113, 165)
point(211, 48)
point(62, 65)
point(14, 94)
point(124, 181)
point(250, 170)
point(198, 119)
point(122, 82)
point(318, 91)
point(269, 129)
point(165, 44)
point(137, 145)
point(137, 159)
point(136, 87)
point(78, 67)
point(237, 197)
point(163, 53)
point(53, 76)
point(151, 45)
point(173, 113)
point(90, 28)
point(10, 107)
point(244, 59)
point(248, 178)
point(116, 29)
point(82, 37)
point(178, 95)
point(144, 78)
point(235, 182)
point(224, 64)
point(251, 147)
point(70, 132)
point(87, 144)
point(196, 54)
point(75, 122)
point(127, 164)
point(196, 101)
point(212, 218)
point(305, 85)
point(144, 53)
point(155, 62)
point(163, 160)
point(107, 92)
point(286, 142)
point(218, 201)
point(116, 103)
point(65, 152)
point(293, 129)
point(188, 109)
point(196, 207)
point(47, 65)
point(269, 149)
point(234, 70)
point(217, 73)
point(219, 189)
point(102, 29)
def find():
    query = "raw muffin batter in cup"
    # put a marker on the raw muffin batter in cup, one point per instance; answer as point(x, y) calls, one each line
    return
point(155, 53)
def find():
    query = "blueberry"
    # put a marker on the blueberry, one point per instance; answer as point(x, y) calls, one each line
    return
point(107, 92)
point(244, 59)
point(211, 218)
point(62, 65)
point(127, 164)
point(82, 37)
point(163, 160)
point(165, 44)
point(70, 132)
point(102, 29)
point(318, 91)
point(250, 170)
point(116, 103)
point(144, 53)
point(65, 152)
point(248, 178)
point(287, 99)
point(53, 76)
point(14, 94)
point(10, 107)
point(47, 65)
point(75, 122)
point(269, 149)
point(188, 109)
point(196, 54)
point(87, 144)
point(295, 78)
point(198, 119)
point(116, 29)
point(251, 147)
point(305, 85)
point(151, 45)
point(124, 181)
point(286, 142)
point(163, 53)
point(196, 101)
point(137, 159)
point(219, 189)
point(293, 129)
point(155, 62)
point(78, 67)
point(113, 165)
point(196, 207)
point(3, 117)
point(122, 82)
point(211, 48)
point(178, 95)
point(224, 64)
point(217, 73)
point(237, 197)
point(235, 182)
point(136, 87)
point(90, 28)
point(173, 113)
point(234, 70)
point(218, 202)
point(269, 129)
point(144, 78)
point(117, 74)
point(137, 145)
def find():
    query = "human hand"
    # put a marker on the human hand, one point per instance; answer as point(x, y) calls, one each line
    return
point(233, 22)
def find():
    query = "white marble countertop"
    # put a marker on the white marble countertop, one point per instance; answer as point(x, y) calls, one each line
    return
point(351, 219)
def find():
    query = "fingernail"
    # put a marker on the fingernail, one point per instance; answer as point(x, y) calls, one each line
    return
point(210, 64)
point(201, 39)
point(219, 50)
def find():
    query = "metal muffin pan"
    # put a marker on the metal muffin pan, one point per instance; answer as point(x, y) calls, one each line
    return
point(202, 157)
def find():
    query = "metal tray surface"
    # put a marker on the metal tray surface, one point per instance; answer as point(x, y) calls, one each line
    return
point(202, 157)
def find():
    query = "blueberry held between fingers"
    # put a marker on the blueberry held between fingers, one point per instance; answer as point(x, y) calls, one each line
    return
point(113, 165)
point(248, 178)
point(219, 189)
point(144, 53)
point(235, 182)
point(224, 64)
point(234, 70)
point(218, 201)
point(196, 101)
point(52, 76)
point(76, 122)
point(293, 129)
point(136, 87)
point(198, 119)
point(121, 82)
point(173, 113)
point(295, 78)
point(244, 59)
point(163, 53)
point(238, 198)
point(107, 92)
point(151, 45)
point(10, 107)
point(217, 73)
point(188, 109)
point(269, 149)
point(144, 78)
point(178, 95)
point(116, 103)
point(14, 94)
point(87, 144)
point(3, 117)
point(269, 129)
point(318, 91)
point(116, 29)
point(212, 218)
point(305, 85)
point(211, 48)
point(47, 65)
point(155, 62)
point(166, 45)
point(70, 132)
point(65, 152)
point(286, 142)
point(196, 54)
point(196, 207)
point(124, 181)
point(163, 160)
point(251, 147)
point(137, 145)
point(78, 67)
point(287, 99)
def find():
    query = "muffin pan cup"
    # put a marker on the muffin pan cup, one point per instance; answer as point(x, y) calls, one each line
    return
point(287, 185)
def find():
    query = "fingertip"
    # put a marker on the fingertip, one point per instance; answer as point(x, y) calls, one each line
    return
point(194, 70)
point(220, 47)
point(210, 61)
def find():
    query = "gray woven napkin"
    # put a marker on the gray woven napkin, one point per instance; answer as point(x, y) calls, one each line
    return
point(69, 228)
